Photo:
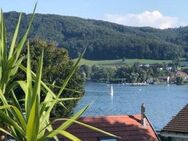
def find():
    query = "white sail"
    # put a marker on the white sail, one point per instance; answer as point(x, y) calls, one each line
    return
point(168, 80)
point(111, 90)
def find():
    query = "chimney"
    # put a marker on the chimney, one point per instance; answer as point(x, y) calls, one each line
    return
point(143, 118)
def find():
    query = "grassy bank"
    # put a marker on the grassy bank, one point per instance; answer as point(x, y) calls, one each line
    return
point(120, 62)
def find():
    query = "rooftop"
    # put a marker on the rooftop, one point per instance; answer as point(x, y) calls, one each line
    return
point(179, 123)
point(128, 127)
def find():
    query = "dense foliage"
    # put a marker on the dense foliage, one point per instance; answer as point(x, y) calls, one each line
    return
point(56, 67)
point(105, 40)
point(136, 73)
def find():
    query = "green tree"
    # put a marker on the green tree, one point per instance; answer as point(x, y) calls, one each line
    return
point(56, 67)
point(86, 70)
point(176, 62)
point(179, 80)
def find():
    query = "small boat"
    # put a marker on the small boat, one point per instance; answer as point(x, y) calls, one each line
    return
point(111, 90)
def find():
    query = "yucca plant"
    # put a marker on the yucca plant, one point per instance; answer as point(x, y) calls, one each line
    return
point(10, 59)
point(30, 121)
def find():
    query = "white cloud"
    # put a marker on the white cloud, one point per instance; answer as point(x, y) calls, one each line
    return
point(147, 18)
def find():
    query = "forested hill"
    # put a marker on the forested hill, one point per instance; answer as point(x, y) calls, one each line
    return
point(104, 40)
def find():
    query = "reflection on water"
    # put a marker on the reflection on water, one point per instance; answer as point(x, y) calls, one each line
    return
point(161, 101)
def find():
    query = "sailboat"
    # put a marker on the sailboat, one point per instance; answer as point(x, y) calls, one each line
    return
point(111, 90)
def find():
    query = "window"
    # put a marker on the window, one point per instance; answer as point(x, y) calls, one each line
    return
point(10, 138)
point(51, 140)
point(108, 139)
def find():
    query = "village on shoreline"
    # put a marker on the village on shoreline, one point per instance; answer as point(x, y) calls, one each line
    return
point(137, 74)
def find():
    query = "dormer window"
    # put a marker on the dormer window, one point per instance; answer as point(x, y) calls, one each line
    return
point(9, 138)
point(108, 139)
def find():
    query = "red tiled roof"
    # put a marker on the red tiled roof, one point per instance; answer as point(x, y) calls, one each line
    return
point(129, 128)
point(179, 124)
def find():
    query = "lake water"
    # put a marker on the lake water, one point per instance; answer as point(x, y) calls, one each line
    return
point(162, 102)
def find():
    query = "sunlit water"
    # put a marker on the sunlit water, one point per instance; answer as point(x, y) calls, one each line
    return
point(161, 101)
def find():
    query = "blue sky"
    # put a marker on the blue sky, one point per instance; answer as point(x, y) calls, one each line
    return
point(155, 13)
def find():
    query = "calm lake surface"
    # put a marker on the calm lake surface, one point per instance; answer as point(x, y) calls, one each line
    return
point(162, 102)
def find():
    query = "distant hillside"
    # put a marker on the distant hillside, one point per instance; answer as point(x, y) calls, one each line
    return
point(104, 40)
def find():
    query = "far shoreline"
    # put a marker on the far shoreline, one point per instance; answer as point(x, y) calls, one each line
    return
point(135, 84)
